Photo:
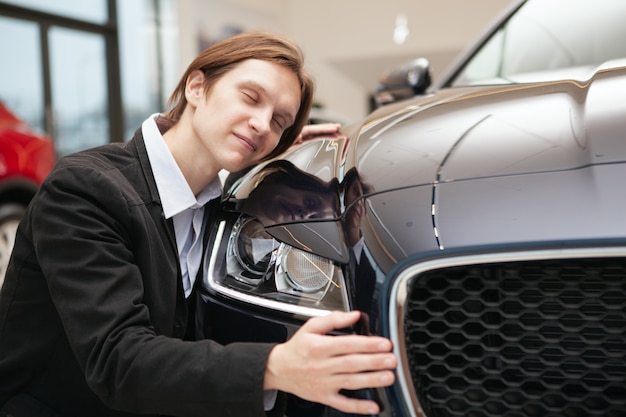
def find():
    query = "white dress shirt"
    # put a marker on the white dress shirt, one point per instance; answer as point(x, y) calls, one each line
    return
point(185, 209)
point(179, 202)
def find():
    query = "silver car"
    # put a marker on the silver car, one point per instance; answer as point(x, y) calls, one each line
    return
point(479, 222)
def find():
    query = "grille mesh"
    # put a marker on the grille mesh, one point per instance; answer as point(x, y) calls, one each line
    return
point(537, 338)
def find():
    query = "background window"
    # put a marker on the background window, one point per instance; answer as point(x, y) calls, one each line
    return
point(79, 90)
point(21, 84)
point(91, 10)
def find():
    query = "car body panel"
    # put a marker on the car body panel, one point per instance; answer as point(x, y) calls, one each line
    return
point(480, 227)
point(26, 157)
point(24, 154)
point(479, 142)
point(485, 131)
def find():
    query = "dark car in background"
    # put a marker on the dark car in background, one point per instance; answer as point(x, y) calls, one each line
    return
point(481, 225)
point(26, 157)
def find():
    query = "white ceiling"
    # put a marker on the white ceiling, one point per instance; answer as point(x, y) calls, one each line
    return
point(348, 43)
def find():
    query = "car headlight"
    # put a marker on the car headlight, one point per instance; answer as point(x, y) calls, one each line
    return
point(250, 265)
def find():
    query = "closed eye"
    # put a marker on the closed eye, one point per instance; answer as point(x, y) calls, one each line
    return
point(279, 123)
point(251, 97)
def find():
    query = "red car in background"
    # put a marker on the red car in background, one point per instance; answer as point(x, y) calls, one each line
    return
point(26, 157)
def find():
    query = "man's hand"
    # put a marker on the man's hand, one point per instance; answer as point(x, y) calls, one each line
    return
point(316, 366)
point(318, 131)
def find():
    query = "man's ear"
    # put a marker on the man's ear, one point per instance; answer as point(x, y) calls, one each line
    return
point(194, 90)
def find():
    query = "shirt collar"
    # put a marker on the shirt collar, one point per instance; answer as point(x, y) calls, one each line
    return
point(176, 195)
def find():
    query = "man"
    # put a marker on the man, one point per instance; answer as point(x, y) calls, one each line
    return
point(95, 316)
point(287, 194)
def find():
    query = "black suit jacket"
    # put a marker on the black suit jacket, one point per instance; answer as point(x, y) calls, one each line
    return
point(92, 311)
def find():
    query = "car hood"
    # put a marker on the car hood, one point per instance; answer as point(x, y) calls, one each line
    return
point(474, 132)
point(477, 165)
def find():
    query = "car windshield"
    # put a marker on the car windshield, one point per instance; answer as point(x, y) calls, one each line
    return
point(550, 40)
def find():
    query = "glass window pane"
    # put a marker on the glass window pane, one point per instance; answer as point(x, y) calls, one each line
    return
point(21, 84)
point(93, 10)
point(170, 42)
point(146, 82)
point(139, 62)
point(541, 43)
point(79, 90)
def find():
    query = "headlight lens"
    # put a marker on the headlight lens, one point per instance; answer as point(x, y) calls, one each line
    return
point(263, 271)
point(303, 271)
point(250, 250)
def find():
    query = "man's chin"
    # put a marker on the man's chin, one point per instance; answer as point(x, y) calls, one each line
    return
point(238, 164)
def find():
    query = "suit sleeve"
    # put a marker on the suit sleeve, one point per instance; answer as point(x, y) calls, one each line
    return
point(88, 229)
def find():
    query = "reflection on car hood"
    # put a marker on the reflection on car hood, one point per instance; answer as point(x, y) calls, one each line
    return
point(477, 165)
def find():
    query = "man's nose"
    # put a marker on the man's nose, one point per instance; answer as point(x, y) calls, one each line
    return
point(260, 122)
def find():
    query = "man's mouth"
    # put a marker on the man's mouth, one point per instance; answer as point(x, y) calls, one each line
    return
point(248, 141)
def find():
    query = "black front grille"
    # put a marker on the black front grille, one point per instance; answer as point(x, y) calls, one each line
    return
point(536, 338)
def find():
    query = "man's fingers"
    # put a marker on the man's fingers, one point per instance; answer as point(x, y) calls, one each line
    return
point(320, 129)
point(347, 345)
point(308, 132)
point(360, 363)
point(364, 380)
point(334, 321)
point(353, 405)
point(330, 346)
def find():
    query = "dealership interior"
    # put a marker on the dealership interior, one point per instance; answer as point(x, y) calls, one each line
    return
point(88, 72)
point(202, 246)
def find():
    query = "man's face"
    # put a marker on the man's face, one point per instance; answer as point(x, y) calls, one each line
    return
point(245, 113)
point(275, 202)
